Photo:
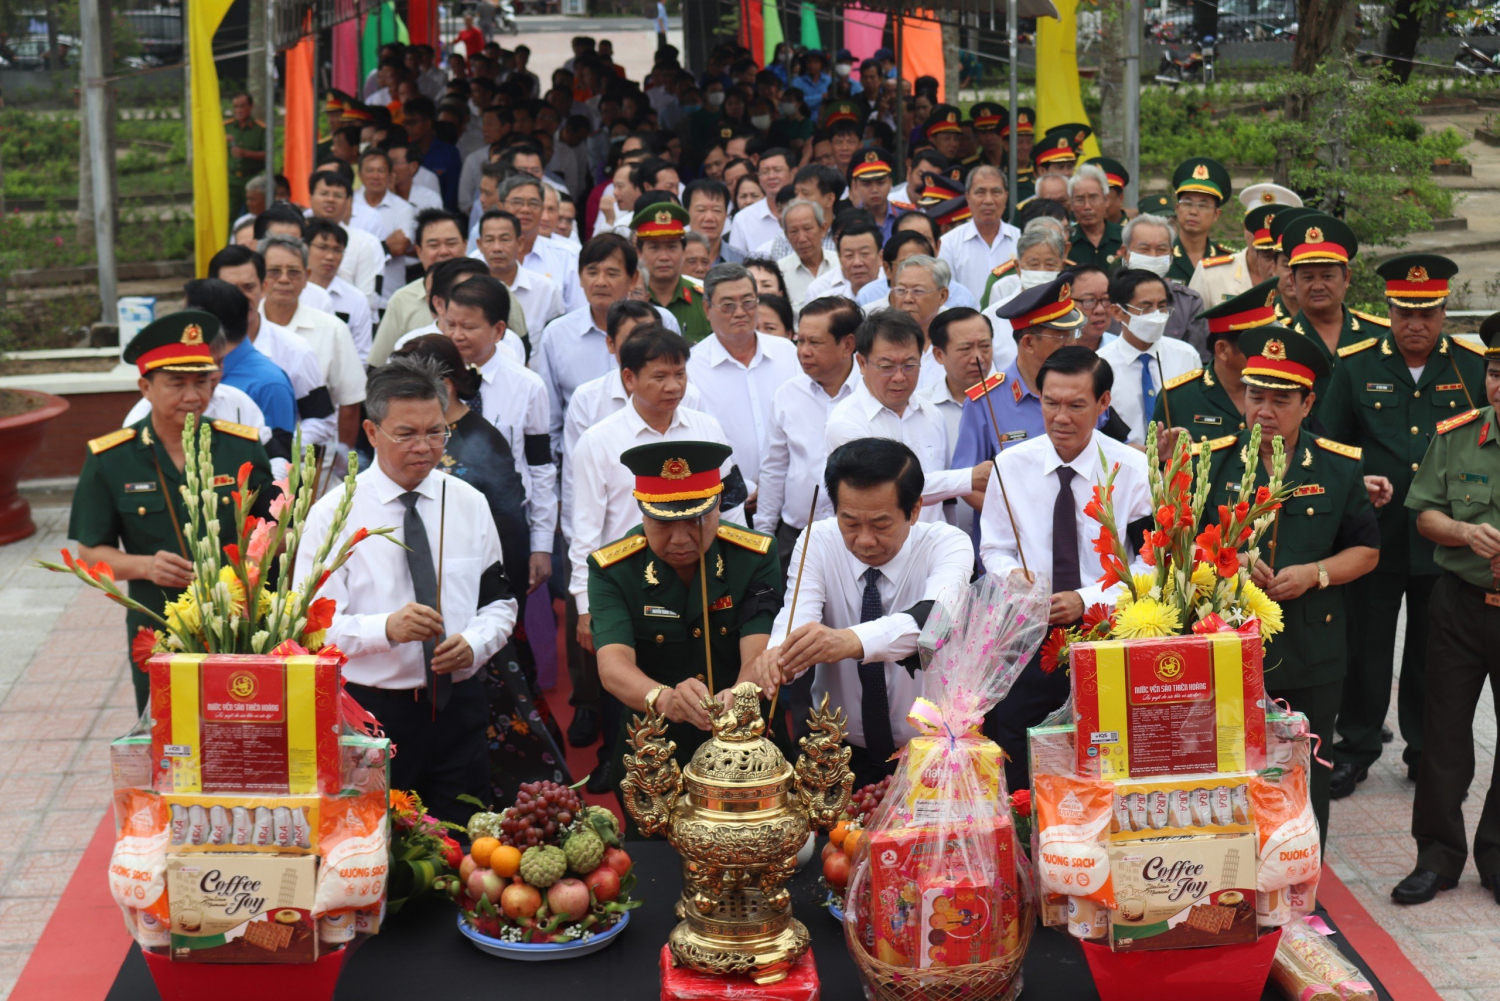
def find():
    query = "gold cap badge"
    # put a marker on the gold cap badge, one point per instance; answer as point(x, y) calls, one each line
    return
point(1065, 293)
point(1275, 350)
point(1314, 235)
point(675, 469)
point(192, 334)
point(1267, 197)
point(1200, 172)
point(663, 218)
point(1417, 275)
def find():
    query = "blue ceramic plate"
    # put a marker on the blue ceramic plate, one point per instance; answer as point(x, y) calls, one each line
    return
point(834, 908)
point(541, 952)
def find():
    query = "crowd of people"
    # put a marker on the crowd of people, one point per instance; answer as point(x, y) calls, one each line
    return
point(668, 349)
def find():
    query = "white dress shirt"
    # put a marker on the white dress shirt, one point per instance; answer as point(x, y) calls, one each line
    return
point(1168, 358)
point(344, 300)
point(377, 581)
point(558, 262)
point(799, 276)
point(591, 403)
point(331, 341)
point(296, 358)
point(753, 225)
point(935, 561)
point(363, 260)
point(316, 296)
point(509, 345)
point(920, 428)
point(392, 213)
point(951, 408)
point(605, 507)
point(1030, 471)
point(540, 297)
point(796, 452)
point(741, 394)
point(933, 375)
point(971, 258)
point(423, 197)
point(514, 399)
point(429, 180)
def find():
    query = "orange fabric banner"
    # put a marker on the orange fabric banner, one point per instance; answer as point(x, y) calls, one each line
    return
point(922, 50)
point(297, 148)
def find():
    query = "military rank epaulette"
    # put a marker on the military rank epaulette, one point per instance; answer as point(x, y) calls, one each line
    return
point(1443, 427)
point(1464, 342)
point(109, 441)
point(1005, 268)
point(1213, 262)
point(1215, 444)
point(1354, 349)
point(1183, 379)
point(1383, 321)
point(617, 551)
point(238, 430)
point(977, 391)
point(695, 282)
point(902, 206)
point(1339, 448)
point(746, 539)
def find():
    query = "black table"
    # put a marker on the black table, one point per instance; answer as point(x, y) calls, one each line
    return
point(420, 954)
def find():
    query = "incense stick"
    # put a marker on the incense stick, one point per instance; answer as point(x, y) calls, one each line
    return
point(796, 590)
point(442, 531)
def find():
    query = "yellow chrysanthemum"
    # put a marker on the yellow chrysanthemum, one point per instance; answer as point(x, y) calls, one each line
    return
point(263, 604)
point(1146, 619)
point(1144, 583)
point(1256, 605)
point(183, 616)
point(231, 580)
point(314, 641)
point(1203, 579)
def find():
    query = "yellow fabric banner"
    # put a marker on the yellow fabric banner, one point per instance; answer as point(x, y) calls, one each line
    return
point(1058, 99)
point(210, 148)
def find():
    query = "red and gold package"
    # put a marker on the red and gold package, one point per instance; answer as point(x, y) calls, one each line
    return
point(1073, 819)
point(245, 724)
point(1169, 706)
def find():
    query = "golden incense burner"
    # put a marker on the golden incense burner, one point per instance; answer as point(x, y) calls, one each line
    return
point(738, 814)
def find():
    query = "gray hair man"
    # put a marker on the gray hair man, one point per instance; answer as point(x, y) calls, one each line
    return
point(1095, 239)
point(1146, 243)
point(805, 224)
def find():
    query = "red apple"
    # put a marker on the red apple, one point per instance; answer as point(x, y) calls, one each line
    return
point(829, 849)
point(569, 897)
point(617, 860)
point(486, 883)
point(605, 883)
point(836, 870)
point(466, 868)
point(520, 900)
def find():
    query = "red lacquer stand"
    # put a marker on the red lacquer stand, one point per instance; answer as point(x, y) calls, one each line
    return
point(678, 983)
point(1224, 973)
point(177, 981)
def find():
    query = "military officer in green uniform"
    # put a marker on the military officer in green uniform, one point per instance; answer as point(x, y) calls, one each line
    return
point(1325, 534)
point(1376, 402)
point(246, 136)
point(660, 237)
point(647, 597)
point(1202, 186)
point(1286, 289)
point(1119, 179)
point(1094, 240)
point(1458, 505)
point(127, 508)
point(1155, 203)
point(990, 119)
point(1209, 403)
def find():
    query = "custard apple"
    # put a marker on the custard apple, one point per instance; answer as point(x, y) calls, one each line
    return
point(597, 816)
point(585, 850)
point(543, 865)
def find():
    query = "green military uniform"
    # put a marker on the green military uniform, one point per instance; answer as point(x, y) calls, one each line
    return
point(1203, 176)
point(249, 137)
point(128, 491)
point(1374, 401)
point(1327, 512)
point(638, 600)
point(686, 305)
point(1155, 203)
point(1458, 477)
point(1182, 265)
point(662, 220)
point(1105, 255)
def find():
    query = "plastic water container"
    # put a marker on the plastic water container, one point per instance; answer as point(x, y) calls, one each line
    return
point(135, 313)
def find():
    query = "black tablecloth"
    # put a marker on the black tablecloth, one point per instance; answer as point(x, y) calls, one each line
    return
point(420, 954)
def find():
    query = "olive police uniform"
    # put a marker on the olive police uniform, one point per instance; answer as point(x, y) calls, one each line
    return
point(127, 494)
point(637, 599)
point(1197, 400)
point(668, 221)
point(1204, 176)
point(1459, 476)
point(1374, 402)
point(1328, 511)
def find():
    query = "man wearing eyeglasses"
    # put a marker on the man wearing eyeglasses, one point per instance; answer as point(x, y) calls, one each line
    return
point(416, 656)
point(1095, 239)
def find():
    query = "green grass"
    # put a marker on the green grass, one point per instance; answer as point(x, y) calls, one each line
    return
point(51, 240)
point(40, 155)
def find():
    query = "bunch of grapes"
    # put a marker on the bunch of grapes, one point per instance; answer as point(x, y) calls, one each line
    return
point(866, 799)
point(540, 811)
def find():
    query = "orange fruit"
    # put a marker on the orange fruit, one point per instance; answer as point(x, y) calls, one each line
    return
point(505, 860)
point(481, 850)
point(838, 833)
point(852, 840)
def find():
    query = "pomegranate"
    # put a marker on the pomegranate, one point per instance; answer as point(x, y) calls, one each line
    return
point(617, 860)
point(520, 900)
point(569, 897)
point(605, 883)
point(836, 870)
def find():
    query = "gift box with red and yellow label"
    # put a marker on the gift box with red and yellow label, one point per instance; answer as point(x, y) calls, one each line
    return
point(244, 723)
point(1169, 706)
point(951, 780)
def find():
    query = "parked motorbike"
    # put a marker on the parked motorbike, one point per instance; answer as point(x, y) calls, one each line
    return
point(1195, 65)
point(1470, 61)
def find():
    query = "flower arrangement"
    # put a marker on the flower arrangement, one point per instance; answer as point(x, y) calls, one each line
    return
point(1197, 581)
point(421, 849)
point(231, 606)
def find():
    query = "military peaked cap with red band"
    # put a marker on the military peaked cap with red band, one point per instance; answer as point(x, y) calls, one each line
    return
point(840, 111)
point(1278, 358)
point(1316, 238)
point(1025, 123)
point(1282, 221)
point(1114, 171)
point(869, 164)
point(677, 480)
point(178, 342)
point(988, 116)
point(944, 118)
point(1258, 225)
point(1054, 147)
point(660, 221)
point(1253, 308)
point(1417, 281)
point(1049, 305)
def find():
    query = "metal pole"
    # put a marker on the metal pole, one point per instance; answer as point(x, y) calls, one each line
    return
point(901, 137)
point(1012, 20)
point(95, 100)
point(270, 71)
point(1132, 102)
point(316, 104)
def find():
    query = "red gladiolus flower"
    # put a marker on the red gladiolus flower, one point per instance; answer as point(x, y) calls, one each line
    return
point(243, 476)
point(1227, 562)
point(1262, 494)
point(1223, 514)
point(1185, 519)
point(1148, 552)
point(1241, 511)
point(68, 560)
point(236, 495)
point(232, 551)
point(101, 569)
point(320, 614)
point(1245, 534)
point(360, 535)
point(1053, 649)
point(1105, 543)
point(1181, 482)
point(140, 646)
point(1114, 571)
point(1166, 515)
point(323, 580)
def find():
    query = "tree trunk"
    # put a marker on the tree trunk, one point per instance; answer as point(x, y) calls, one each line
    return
point(951, 67)
point(1111, 125)
point(1320, 23)
point(1401, 40)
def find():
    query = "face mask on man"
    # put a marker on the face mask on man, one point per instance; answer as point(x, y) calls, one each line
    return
point(1031, 279)
point(842, 69)
point(1156, 265)
point(715, 98)
point(761, 122)
point(1148, 328)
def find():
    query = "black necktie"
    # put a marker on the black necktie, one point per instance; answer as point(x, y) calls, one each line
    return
point(1065, 534)
point(424, 590)
point(874, 707)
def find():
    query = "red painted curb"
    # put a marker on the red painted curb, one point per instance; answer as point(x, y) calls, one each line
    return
point(1377, 950)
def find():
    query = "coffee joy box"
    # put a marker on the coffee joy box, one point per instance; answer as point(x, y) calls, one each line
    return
point(1183, 892)
point(234, 908)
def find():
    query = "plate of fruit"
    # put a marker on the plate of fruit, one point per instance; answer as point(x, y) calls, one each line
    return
point(844, 841)
point(545, 878)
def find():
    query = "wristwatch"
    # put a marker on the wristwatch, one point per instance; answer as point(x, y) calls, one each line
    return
point(1322, 576)
point(655, 694)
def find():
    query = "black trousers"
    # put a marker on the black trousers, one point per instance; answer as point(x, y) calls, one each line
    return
point(1035, 696)
point(866, 767)
point(440, 758)
point(1463, 649)
point(1372, 654)
point(1320, 704)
